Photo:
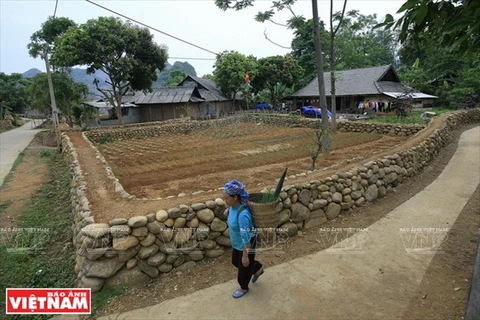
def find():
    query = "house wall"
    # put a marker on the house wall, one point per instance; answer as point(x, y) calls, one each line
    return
point(193, 109)
point(160, 112)
point(344, 103)
point(132, 116)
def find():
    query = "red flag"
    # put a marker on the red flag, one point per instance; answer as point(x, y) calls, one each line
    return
point(247, 77)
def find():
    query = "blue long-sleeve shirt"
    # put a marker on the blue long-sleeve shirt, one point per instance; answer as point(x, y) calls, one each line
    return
point(240, 226)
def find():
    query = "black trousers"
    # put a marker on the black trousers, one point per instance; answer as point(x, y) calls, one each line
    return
point(246, 273)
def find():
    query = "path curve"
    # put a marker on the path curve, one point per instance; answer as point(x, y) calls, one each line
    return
point(371, 275)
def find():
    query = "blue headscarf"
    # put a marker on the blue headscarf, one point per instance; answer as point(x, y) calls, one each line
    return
point(233, 188)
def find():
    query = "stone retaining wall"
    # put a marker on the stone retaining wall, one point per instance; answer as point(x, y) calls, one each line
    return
point(125, 251)
point(153, 129)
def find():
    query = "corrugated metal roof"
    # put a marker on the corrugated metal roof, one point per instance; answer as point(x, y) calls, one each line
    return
point(166, 95)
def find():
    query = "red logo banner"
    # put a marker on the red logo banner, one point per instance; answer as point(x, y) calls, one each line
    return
point(48, 301)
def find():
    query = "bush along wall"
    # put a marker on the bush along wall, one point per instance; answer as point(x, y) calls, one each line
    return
point(127, 251)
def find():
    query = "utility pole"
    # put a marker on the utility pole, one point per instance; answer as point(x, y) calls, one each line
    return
point(52, 98)
point(321, 81)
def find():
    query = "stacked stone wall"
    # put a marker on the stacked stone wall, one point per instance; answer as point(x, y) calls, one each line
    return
point(131, 250)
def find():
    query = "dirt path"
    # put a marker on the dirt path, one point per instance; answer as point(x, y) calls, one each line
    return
point(27, 178)
point(12, 142)
point(440, 300)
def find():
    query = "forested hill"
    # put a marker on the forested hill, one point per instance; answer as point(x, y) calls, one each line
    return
point(80, 75)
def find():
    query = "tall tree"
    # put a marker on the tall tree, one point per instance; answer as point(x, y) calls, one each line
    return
point(230, 69)
point(43, 41)
point(287, 4)
point(126, 53)
point(42, 44)
point(175, 77)
point(361, 45)
point(67, 92)
point(303, 46)
point(333, 33)
point(186, 67)
point(276, 74)
point(356, 44)
point(13, 98)
point(440, 71)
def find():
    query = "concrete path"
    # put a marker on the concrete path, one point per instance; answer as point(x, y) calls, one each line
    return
point(11, 144)
point(371, 275)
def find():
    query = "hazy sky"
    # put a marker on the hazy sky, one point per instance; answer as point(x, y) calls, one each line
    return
point(197, 21)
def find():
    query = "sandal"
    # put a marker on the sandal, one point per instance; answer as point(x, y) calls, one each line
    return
point(255, 277)
point(239, 293)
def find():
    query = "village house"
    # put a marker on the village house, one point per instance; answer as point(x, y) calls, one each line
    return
point(168, 103)
point(354, 88)
point(194, 97)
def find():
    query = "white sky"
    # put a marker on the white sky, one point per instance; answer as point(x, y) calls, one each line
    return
point(197, 21)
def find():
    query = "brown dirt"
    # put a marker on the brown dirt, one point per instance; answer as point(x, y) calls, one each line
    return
point(434, 298)
point(254, 154)
point(27, 177)
point(106, 204)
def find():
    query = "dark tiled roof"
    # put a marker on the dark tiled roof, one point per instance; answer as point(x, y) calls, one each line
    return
point(167, 95)
point(390, 86)
point(351, 82)
point(213, 93)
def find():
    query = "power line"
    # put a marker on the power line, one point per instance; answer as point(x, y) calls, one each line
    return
point(145, 25)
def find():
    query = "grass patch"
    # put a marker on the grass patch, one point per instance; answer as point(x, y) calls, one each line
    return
point(14, 166)
point(4, 205)
point(106, 138)
point(42, 256)
point(412, 118)
point(101, 298)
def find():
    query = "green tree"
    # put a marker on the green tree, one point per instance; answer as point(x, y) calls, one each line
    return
point(43, 40)
point(440, 71)
point(333, 33)
point(185, 67)
point(356, 44)
point(287, 4)
point(229, 72)
point(276, 74)
point(42, 44)
point(175, 77)
point(68, 93)
point(360, 45)
point(13, 98)
point(126, 53)
point(303, 46)
point(162, 79)
point(449, 22)
point(209, 77)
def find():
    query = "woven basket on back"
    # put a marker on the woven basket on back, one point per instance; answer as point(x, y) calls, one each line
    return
point(264, 214)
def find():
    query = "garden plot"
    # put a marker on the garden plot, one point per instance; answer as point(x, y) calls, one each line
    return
point(256, 154)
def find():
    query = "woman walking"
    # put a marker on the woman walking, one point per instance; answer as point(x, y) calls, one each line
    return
point(242, 236)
